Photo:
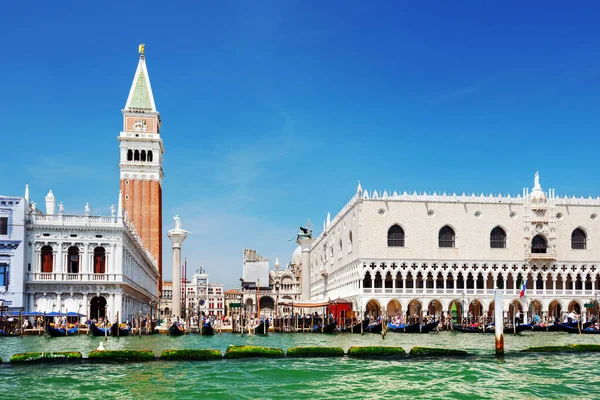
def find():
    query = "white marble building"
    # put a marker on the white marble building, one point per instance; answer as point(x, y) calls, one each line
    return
point(395, 253)
point(12, 252)
point(88, 264)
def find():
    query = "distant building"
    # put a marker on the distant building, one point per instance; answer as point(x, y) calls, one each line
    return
point(92, 265)
point(280, 284)
point(232, 296)
point(201, 297)
point(393, 253)
point(12, 252)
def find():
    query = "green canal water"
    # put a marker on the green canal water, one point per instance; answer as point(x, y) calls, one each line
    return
point(480, 376)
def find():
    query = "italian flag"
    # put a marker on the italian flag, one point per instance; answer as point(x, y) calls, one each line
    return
point(523, 288)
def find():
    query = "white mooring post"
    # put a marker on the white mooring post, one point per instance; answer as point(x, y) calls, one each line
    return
point(499, 322)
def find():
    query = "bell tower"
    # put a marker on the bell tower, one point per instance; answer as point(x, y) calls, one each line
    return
point(141, 161)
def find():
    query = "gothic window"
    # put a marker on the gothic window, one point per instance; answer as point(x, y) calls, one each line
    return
point(396, 236)
point(539, 244)
point(378, 280)
point(149, 155)
point(446, 237)
point(498, 238)
point(143, 155)
point(4, 226)
point(99, 260)
point(578, 239)
point(129, 155)
point(73, 260)
point(3, 275)
point(47, 259)
point(367, 283)
point(136, 155)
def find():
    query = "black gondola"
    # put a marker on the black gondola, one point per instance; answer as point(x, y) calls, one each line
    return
point(357, 328)
point(546, 328)
point(426, 328)
point(520, 328)
point(330, 328)
point(263, 328)
point(374, 328)
point(176, 329)
point(122, 331)
point(60, 332)
point(470, 329)
point(207, 329)
point(98, 331)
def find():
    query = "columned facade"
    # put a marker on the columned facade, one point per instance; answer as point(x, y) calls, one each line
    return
point(436, 254)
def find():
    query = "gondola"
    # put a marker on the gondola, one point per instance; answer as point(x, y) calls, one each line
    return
point(98, 331)
point(374, 328)
point(263, 328)
point(520, 328)
point(328, 328)
point(59, 332)
point(426, 328)
point(122, 331)
point(470, 329)
point(546, 328)
point(357, 328)
point(176, 329)
point(207, 329)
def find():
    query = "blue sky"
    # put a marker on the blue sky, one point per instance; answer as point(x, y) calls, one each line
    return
point(272, 111)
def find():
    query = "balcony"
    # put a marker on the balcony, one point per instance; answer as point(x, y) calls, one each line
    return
point(66, 277)
point(550, 256)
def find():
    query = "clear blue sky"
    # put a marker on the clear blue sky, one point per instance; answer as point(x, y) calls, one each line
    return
point(272, 111)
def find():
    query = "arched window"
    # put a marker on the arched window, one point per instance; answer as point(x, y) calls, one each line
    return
point(350, 241)
point(149, 155)
point(73, 260)
point(539, 244)
point(47, 260)
point(99, 260)
point(578, 239)
point(498, 238)
point(143, 158)
point(367, 282)
point(136, 155)
point(446, 237)
point(396, 236)
point(340, 244)
point(129, 155)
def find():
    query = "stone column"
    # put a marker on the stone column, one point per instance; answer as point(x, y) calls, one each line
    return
point(58, 301)
point(85, 268)
point(86, 306)
point(31, 303)
point(177, 237)
point(305, 244)
point(118, 302)
point(59, 260)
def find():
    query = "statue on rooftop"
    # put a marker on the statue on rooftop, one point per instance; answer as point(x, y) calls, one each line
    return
point(305, 233)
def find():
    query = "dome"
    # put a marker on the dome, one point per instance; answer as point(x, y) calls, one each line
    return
point(537, 195)
point(297, 256)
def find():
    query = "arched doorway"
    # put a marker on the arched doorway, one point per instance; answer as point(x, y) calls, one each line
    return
point(414, 310)
point(373, 309)
point(475, 311)
point(394, 307)
point(267, 303)
point(455, 310)
point(574, 307)
point(555, 310)
point(435, 308)
point(536, 311)
point(98, 307)
point(515, 312)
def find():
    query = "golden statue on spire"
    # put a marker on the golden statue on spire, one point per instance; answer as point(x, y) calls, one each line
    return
point(141, 49)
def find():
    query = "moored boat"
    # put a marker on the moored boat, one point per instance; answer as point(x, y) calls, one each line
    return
point(546, 328)
point(99, 331)
point(58, 332)
point(518, 329)
point(176, 329)
point(426, 328)
point(207, 329)
point(374, 328)
point(470, 329)
point(124, 330)
point(262, 328)
point(357, 328)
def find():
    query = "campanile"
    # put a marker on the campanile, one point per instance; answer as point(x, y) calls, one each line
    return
point(141, 161)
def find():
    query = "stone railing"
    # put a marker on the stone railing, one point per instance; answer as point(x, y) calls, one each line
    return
point(74, 220)
point(459, 293)
point(67, 277)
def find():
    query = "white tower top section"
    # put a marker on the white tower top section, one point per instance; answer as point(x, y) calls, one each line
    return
point(140, 142)
point(537, 195)
point(140, 95)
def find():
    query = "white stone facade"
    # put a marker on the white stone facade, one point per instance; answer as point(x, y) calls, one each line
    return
point(562, 271)
point(88, 264)
point(12, 252)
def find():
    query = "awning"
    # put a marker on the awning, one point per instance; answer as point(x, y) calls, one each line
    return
point(311, 304)
point(235, 305)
